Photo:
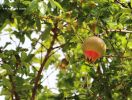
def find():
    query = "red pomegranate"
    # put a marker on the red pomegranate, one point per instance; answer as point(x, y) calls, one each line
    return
point(93, 48)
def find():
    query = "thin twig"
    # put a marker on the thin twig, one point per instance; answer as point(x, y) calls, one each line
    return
point(60, 46)
point(54, 52)
point(122, 4)
point(49, 74)
point(43, 45)
point(123, 31)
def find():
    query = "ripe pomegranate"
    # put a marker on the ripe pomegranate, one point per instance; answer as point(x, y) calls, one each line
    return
point(93, 48)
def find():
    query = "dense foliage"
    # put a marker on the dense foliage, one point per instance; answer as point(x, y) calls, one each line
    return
point(63, 25)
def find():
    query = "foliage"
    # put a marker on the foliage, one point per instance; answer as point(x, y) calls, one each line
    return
point(64, 24)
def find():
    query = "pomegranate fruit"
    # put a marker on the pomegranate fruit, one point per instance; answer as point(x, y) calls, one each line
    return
point(93, 48)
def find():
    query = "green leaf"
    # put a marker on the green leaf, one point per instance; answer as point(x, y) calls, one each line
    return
point(131, 3)
point(2, 72)
point(5, 92)
point(32, 7)
point(129, 44)
point(84, 69)
point(52, 4)
point(6, 83)
point(8, 68)
point(58, 5)
point(55, 4)
point(38, 23)
point(42, 7)
point(23, 56)
point(92, 72)
point(7, 43)
point(36, 60)
point(14, 59)
point(46, 33)
point(29, 57)
point(4, 24)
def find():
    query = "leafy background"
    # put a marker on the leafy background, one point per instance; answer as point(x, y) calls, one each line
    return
point(63, 25)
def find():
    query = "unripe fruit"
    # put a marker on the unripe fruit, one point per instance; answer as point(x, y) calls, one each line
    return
point(93, 48)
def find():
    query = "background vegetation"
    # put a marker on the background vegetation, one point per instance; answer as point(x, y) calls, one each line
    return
point(63, 25)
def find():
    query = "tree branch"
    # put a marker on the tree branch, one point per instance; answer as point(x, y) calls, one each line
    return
point(123, 31)
point(34, 90)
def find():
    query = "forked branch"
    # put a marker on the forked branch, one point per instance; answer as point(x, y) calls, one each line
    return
point(35, 87)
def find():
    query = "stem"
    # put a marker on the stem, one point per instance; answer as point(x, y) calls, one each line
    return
point(54, 30)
